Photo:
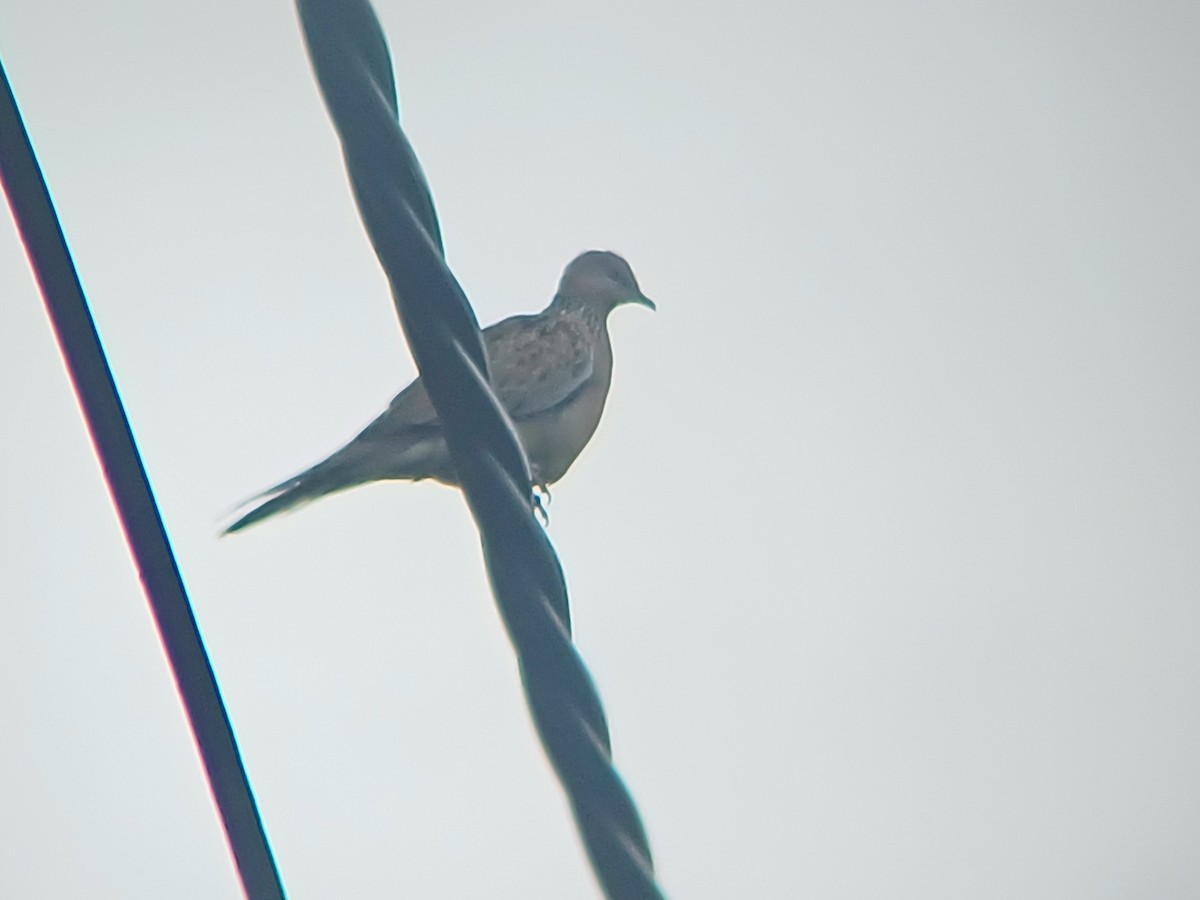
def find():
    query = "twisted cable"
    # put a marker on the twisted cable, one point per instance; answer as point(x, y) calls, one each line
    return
point(350, 58)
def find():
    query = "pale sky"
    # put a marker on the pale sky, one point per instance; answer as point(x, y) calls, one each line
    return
point(886, 556)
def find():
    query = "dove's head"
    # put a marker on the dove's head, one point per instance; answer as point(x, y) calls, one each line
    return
point(601, 280)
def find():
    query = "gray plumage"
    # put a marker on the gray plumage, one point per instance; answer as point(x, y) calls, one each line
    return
point(551, 371)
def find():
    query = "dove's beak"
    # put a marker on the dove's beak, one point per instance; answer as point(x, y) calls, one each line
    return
point(643, 300)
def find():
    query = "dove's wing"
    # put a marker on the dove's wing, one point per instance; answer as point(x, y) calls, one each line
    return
point(411, 409)
point(412, 406)
point(538, 362)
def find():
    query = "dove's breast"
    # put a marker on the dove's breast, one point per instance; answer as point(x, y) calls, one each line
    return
point(554, 439)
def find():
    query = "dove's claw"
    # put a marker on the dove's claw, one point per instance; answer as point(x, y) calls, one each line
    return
point(539, 506)
point(541, 500)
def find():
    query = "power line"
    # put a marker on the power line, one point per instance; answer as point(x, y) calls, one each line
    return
point(350, 57)
point(109, 428)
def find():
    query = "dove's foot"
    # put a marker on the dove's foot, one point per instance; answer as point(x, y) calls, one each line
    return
point(541, 501)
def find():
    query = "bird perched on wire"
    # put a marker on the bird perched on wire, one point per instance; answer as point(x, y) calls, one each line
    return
point(551, 371)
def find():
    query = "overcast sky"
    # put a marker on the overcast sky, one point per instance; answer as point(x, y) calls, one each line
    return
point(886, 556)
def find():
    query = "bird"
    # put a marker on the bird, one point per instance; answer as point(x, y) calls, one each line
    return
point(550, 370)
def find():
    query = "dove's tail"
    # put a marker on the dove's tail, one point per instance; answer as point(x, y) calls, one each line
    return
point(419, 454)
point(325, 477)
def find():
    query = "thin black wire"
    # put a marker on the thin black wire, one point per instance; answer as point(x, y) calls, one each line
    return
point(350, 57)
point(76, 333)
